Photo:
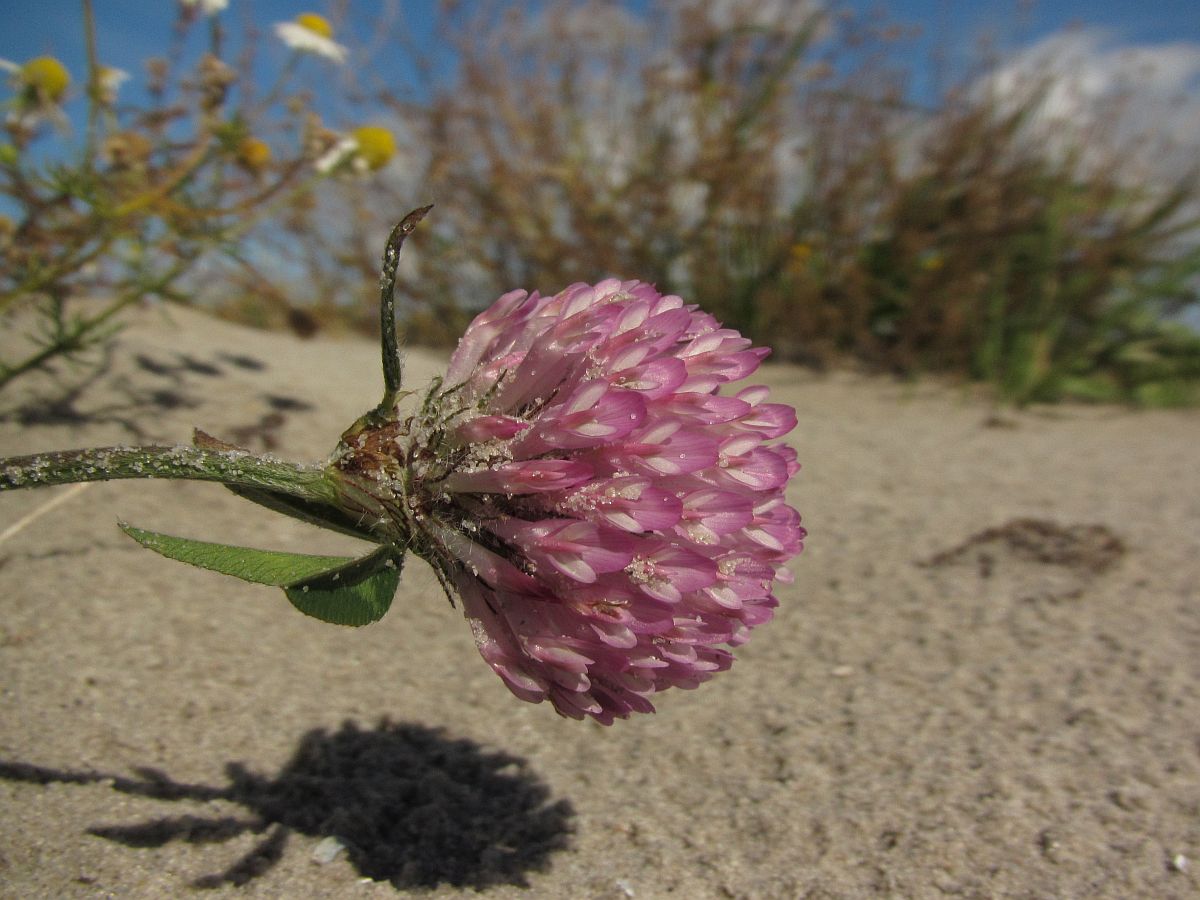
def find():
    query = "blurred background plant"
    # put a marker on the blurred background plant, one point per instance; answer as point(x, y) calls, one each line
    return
point(763, 159)
point(137, 207)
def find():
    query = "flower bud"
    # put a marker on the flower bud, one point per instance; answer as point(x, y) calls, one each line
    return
point(253, 154)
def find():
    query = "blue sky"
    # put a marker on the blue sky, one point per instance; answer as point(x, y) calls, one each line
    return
point(131, 30)
point(959, 24)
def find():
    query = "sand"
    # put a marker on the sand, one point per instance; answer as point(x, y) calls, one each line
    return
point(984, 682)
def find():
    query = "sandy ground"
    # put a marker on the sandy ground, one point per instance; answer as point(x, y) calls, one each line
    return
point(985, 681)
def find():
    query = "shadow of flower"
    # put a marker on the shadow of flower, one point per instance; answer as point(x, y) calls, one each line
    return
point(409, 805)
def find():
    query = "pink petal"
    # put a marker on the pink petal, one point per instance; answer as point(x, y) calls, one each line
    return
point(488, 428)
point(628, 503)
point(522, 477)
point(669, 571)
point(615, 634)
point(760, 470)
point(574, 548)
point(595, 414)
point(496, 643)
point(667, 448)
point(722, 511)
point(771, 420)
point(656, 378)
point(493, 569)
point(703, 408)
point(479, 334)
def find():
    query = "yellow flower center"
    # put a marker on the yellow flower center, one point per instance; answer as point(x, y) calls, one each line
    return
point(375, 145)
point(316, 24)
point(47, 76)
point(253, 153)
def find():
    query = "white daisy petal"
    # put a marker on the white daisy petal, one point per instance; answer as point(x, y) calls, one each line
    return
point(298, 37)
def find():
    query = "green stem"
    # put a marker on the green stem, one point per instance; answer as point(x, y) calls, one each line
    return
point(93, 85)
point(231, 467)
point(70, 261)
point(80, 334)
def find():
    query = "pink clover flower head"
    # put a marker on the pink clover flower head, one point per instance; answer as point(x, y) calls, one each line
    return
point(609, 518)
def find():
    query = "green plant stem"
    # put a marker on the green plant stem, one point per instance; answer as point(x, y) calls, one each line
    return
point(93, 85)
point(231, 467)
point(61, 345)
point(81, 331)
point(43, 279)
point(70, 341)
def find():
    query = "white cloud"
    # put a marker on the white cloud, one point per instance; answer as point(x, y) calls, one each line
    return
point(784, 16)
point(1138, 100)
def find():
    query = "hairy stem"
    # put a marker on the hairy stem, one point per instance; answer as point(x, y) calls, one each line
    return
point(232, 467)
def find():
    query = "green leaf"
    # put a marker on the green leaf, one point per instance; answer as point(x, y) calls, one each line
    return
point(259, 566)
point(337, 589)
point(357, 593)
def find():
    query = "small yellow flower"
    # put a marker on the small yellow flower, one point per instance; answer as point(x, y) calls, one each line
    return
point(46, 77)
point(375, 146)
point(311, 33)
point(253, 154)
point(801, 252)
point(41, 85)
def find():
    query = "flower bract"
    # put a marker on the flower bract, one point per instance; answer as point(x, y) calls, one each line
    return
point(612, 517)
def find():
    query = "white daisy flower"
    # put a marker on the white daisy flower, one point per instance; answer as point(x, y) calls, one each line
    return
point(41, 85)
point(109, 81)
point(366, 149)
point(336, 155)
point(311, 33)
point(208, 7)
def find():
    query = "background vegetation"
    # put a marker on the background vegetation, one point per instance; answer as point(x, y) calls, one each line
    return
point(757, 159)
